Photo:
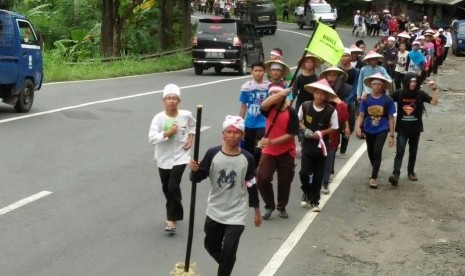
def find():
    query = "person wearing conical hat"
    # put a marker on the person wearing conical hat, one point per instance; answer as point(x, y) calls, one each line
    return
point(376, 113)
point(357, 53)
point(278, 150)
point(317, 120)
point(308, 66)
point(372, 67)
point(409, 125)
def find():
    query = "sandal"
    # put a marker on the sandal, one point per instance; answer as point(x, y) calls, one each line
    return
point(373, 183)
point(170, 228)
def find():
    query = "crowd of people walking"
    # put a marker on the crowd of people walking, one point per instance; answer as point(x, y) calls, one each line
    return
point(374, 93)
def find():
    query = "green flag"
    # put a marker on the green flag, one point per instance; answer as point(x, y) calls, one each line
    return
point(326, 44)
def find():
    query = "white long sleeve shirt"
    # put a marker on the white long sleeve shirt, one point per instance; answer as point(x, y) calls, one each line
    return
point(169, 151)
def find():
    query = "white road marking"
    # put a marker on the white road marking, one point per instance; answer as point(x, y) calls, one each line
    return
point(23, 202)
point(113, 100)
point(204, 128)
point(278, 258)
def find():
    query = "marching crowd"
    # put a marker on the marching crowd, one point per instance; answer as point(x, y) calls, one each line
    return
point(378, 95)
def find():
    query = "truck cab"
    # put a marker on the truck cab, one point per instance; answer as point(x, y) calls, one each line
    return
point(458, 37)
point(21, 64)
point(315, 10)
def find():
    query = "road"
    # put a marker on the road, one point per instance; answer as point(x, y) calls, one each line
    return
point(85, 143)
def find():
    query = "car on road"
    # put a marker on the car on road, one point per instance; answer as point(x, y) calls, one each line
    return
point(21, 64)
point(262, 13)
point(317, 11)
point(225, 43)
point(458, 36)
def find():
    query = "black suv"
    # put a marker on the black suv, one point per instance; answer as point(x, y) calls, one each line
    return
point(225, 43)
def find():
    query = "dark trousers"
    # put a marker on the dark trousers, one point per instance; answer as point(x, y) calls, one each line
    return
point(413, 140)
point(284, 165)
point(311, 176)
point(375, 144)
point(221, 242)
point(444, 55)
point(329, 166)
point(355, 27)
point(285, 15)
point(171, 181)
point(352, 116)
point(251, 138)
point(398, 78)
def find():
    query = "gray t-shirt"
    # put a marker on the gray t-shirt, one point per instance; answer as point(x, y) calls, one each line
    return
point(231, 178)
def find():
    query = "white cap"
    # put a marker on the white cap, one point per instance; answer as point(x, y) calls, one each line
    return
point(391, 38)
point(171, 89)
point(441, 30)
point(235, 121)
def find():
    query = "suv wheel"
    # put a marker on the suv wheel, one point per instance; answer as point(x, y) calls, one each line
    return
point(243, 66)
point(198, 69)
point(25, 97)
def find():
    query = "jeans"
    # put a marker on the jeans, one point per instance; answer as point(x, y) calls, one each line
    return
point(375, 144)
point(171, 180)
point(221, 242)
point(284, 165)
point(413, 141)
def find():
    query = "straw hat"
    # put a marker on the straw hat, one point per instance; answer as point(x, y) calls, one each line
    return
point(404, 35)
point(372, 54)
point(354, 49)
point(414, 29)
point(335, 69)
point(268, 64)
point(316, 59)
point(430, 32)
point(322, 85)
point(387, 84)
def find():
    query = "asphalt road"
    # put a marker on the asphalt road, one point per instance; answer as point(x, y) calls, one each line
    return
point(86, 143)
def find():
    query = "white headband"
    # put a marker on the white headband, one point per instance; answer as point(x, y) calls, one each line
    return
point(276, 66)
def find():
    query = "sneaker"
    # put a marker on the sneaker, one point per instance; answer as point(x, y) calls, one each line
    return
point(412, 177)
point(304, 201)
point(315, 208)
point(394, 179)
point(343, 156)
point(325, 190)
point(267, 214)
point(283, 214)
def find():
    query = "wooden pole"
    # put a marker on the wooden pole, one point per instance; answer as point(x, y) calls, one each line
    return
point(194, 190)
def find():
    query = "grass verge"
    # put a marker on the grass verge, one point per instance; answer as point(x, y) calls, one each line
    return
point(57, 70)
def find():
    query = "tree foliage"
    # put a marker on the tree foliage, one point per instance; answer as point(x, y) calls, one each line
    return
point(106, 27)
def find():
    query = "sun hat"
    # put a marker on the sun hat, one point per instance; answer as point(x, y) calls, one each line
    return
point(404, 35)
point(171, 89)
point(372, 54)
point(346, 52)
point(415, 28)
point(416, 42)
point(354, 49)
point(430, 32)
point(235, 121)
point(335, 69)
point(377, 77)
point(320, 85)
point(283, 66)
point(316, 59)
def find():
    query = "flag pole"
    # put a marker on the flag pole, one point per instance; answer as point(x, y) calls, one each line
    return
point(193, 190)
point(293, 80)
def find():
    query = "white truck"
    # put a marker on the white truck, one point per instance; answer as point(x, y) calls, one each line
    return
point(315, 10)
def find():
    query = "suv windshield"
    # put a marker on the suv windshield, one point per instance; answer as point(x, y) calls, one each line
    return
point(216, 28)
point(264, 7)
point(321, 9)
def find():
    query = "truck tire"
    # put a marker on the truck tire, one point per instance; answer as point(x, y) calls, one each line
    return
point(25, 97)
point(273, 31)
point(242, 68)
point(198, 69)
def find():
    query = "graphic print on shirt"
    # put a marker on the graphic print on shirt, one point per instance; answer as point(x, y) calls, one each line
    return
point(408, 107)
point(255, 100)
point(168, 124)
point(375, 112)
point(226, 179)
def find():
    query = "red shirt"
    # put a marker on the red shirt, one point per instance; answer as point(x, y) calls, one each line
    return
point(342, 117)
point(286, 123)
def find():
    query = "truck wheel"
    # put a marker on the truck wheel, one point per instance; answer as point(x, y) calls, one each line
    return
point(242, 66)
point(198, 69)
point(218, 69)
point(273, 31)
point(25, 97)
